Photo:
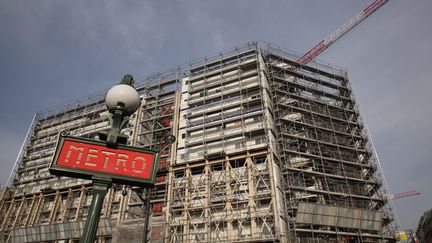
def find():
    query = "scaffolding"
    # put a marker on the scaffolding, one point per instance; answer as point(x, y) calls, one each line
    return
point(267, 150)
point(333, 189)
point(157, 118)
point(223, 185)
point(36, 199)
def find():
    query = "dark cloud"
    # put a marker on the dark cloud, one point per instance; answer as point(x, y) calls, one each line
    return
point(52, 52)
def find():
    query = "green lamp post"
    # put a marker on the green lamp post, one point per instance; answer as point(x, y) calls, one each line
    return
point(122, 100)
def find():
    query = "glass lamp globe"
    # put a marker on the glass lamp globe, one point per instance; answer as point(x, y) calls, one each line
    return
point(170, 139)
point(123, 95)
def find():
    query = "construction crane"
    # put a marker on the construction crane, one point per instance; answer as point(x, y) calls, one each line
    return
point(402, 195)
point(341, 31)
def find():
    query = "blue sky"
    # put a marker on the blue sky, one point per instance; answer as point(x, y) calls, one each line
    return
point(53, 52)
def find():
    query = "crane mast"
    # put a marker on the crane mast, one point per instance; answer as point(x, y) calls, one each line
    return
point(341, 31)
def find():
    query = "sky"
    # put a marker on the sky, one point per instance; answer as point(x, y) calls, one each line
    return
point(54, 52)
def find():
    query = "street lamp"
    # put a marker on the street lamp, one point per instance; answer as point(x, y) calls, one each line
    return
point(169, 139)
point(122, 100)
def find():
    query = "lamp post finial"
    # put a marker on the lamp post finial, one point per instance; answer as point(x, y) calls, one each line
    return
point(128, 79)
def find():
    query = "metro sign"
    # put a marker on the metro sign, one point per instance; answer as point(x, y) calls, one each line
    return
point(85, 158)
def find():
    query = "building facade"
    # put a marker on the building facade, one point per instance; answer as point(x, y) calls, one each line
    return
point(268, 150)
point(424, 228)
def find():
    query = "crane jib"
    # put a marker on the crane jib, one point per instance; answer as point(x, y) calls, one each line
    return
point(341, 31)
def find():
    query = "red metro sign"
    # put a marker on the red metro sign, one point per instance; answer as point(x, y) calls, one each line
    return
point(84, 158)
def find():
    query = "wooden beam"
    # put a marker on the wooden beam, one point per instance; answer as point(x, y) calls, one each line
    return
point(81, 201)
point(18, 213)
point(67, 205)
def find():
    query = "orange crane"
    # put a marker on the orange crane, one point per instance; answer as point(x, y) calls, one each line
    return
point(335, 36)
point(341, 31)
point(402, 195)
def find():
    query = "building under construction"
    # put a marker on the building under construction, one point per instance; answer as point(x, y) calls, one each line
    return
point(267, 150)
